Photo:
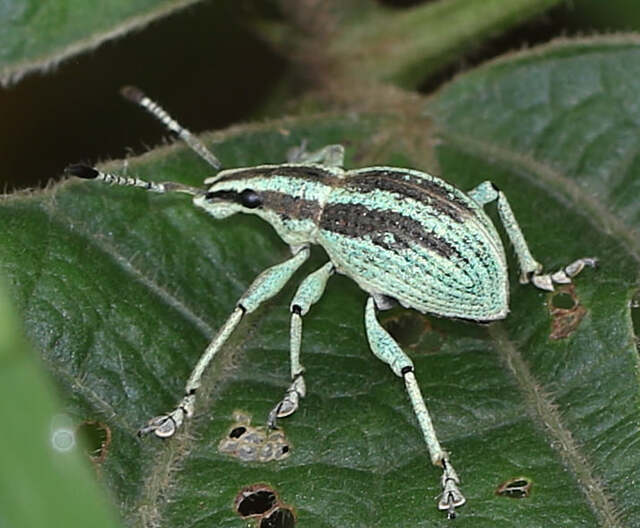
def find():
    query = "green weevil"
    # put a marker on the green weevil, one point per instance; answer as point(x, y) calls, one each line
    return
point(402, 235)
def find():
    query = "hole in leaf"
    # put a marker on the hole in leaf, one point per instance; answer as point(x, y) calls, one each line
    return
point(634, 307)
point(95, 437)
point(563, 300)
point(255, 500)
point(566, 312)
point(516, 488)
point(237, 432)
point(279, 518)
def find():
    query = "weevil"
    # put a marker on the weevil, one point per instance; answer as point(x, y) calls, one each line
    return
point(402, 235)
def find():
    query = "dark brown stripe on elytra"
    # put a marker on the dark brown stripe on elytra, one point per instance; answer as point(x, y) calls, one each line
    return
point(302, 172)
point(288, 206)
point(407, 185)
point(387, 229)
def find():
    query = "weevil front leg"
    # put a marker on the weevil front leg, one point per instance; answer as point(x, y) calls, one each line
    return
point(330, 155)
point(530, 268)
point(265, 286)
point(309, 292)
point(385, 348)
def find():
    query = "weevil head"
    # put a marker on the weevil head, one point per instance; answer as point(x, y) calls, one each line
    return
point(289, 203)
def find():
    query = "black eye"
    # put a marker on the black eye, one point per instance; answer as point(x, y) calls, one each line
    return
point(250, 199)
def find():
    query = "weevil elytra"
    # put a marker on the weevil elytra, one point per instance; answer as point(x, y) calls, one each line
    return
point(402, 235)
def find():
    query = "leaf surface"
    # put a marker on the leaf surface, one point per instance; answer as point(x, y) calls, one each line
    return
point(41, 453)
point(121, 291)
point(409, 45)
point(557, 130)
point(37, 35)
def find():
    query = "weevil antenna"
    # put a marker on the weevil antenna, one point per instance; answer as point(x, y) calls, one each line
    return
point(137, 96)
point(91, 173)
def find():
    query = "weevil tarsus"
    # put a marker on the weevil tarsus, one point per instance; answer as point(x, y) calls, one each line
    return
point(530, 268)
point(385, 348)
point(265, 286)
point(309, 292)
point(401, 224)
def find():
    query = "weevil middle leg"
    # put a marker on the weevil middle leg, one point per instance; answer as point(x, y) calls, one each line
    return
point(308, 293)
point(385, 348)
point(530, 268)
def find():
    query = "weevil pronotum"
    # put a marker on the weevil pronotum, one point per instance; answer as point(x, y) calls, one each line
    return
point(402, 235)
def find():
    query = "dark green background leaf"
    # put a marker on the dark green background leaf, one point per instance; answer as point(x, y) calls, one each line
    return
point(37, 35)
point(121, 290)
point(407, 46)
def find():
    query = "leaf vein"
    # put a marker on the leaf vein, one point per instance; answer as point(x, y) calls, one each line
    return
point(541, 405)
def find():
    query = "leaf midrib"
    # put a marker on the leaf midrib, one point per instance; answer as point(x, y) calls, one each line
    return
point(540, 405)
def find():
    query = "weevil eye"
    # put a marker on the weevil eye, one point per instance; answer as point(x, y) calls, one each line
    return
point(250, 199)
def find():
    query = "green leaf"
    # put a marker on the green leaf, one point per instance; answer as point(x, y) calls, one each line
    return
point(44, 481)
point(37, 35)
point(407, 46)
point(557, 129)
point(120, 290)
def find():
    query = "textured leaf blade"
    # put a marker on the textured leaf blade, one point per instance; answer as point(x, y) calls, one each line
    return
point(121, 291)
point(45, 480)
point(38, 35)
point(556, 129)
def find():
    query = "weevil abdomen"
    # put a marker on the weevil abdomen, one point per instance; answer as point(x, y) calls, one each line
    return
point(414, 237)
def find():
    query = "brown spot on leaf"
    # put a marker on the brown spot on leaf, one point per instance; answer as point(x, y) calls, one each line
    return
point(515, 488)
point(566, 312)
point(413, 330)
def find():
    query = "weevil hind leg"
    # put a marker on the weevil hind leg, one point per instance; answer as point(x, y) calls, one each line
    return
point(330, 155)
point(386, 349)
point(530, 268)
point(309, 292)
point(265, 286)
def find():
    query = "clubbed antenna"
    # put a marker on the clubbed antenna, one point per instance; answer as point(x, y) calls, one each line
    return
point(90, 173)
point(137, 96)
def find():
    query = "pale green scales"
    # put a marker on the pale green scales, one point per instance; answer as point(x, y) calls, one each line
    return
point(401, 235)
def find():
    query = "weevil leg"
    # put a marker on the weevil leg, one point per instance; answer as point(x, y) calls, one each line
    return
point(385, 348)
point(530, 268)
point(265, 286)
point(309, 292)
point(330, 155)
